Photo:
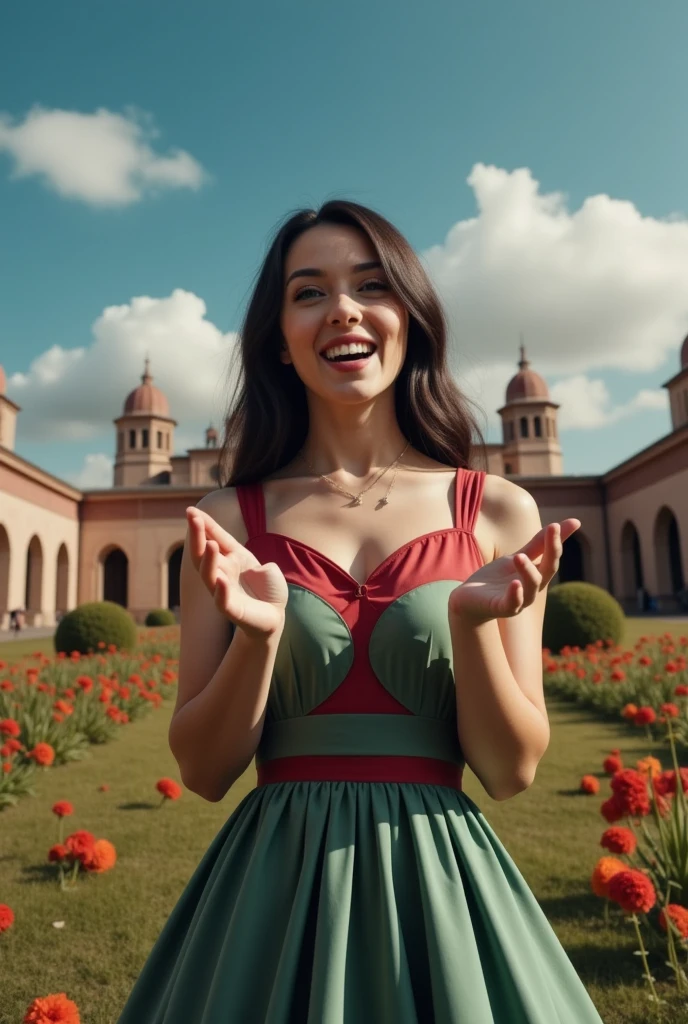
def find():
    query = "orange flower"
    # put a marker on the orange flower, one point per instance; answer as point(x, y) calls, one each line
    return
point(52, 1009)
point(62, 808)
point(629, 711)
point(649, 766)
point(9, 727)
point(604, 871)
point(102, 857)
point(633, 891)
point(6, 917)
point(589, 784)
point(619, 840)
point(169, 788)
point(679, 917)
point(43, 754)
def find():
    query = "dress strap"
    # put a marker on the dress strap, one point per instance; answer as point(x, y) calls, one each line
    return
point(470, 484)
point(252, 504)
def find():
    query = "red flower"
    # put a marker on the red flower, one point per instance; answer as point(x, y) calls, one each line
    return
point(645, 716)
point(612, 764)
point(679, 917)
point(43, 754)
point(618, 840)
point(52, 1009)
point(613, 809)
point(670, 710)
point(618, 675)
point(6, 917)
point(681, 691)
point(589, 784)
point(629, 711)
point(633, 891)
point(80, 844)
point(665, 783)
point(9, 727)
point(62, 808)
point(169, 788)
point(631, 789)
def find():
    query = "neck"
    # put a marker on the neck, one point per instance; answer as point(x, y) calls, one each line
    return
point(354, 440)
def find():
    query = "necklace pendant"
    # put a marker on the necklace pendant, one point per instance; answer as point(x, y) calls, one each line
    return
point(358, 500)
point(384, 501)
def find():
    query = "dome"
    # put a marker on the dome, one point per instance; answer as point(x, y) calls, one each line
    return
point(526, 383)
point(3, 381)
point(684, 355)
point(147, 399)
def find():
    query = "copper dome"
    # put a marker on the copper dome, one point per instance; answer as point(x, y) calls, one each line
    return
point(147, 399)
point(684, 353)
point(526, 383)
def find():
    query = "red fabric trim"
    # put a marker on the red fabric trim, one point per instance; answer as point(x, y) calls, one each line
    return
point(356, 768)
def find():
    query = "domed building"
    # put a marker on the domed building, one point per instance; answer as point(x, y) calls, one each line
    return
point(61, 546)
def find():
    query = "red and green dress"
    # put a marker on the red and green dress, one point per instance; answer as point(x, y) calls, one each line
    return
point(357, 883)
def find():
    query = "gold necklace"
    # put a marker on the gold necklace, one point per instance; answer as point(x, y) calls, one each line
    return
point(358, 498)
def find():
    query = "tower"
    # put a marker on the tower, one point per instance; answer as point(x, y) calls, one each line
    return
point(677, 387)
point(8, 415)
point(145, 436)
point(529, 425)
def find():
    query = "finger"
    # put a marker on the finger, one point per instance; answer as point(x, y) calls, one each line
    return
point(536, 545)
point(226, 542)
point(209, 565)
point(196, 537)
point(530, 575)
point(553, 552)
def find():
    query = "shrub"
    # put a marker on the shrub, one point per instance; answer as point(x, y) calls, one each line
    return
point(577, 614)
point(161, 617)
point(83, 628)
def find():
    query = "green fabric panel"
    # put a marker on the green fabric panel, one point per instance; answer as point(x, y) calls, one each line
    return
point(357, 903)
point(387, 735)
point(410, 650)
point(314, 655)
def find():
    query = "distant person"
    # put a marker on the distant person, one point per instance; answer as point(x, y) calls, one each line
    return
point(341, 598)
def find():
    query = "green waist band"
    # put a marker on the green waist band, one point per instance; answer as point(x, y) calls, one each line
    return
point(385, 735)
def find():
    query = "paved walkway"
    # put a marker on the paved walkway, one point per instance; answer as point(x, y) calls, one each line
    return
point(26, 633)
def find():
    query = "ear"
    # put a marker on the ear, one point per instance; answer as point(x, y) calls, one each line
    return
point(284, 354)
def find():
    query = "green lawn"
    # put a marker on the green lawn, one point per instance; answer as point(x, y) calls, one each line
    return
point(112, 921)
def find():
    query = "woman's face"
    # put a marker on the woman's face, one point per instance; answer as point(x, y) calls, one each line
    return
point(337, 292)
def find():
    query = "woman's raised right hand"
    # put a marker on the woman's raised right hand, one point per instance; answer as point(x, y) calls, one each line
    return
point(252, 596)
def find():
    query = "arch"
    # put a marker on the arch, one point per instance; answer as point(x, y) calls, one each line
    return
point(115, 575)
point(33, 587)
point(524, 426)
point(4, 572)
point(62, 581)
point(537, 424)
point(174, 565)
point(576, 560)
point(668, 556)
point(632, 575)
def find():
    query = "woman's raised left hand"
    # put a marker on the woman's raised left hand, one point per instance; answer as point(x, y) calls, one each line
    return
point(504, 587)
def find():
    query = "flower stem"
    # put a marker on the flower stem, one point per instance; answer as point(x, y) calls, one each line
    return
point(648, 976)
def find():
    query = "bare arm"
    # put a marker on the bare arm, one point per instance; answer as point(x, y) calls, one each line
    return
point(501, 711)
point(224, 675)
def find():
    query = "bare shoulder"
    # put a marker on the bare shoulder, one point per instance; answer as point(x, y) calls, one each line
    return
point(223, 506)
point(510, 512)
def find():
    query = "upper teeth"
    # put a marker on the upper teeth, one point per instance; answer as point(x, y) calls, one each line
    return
point(342, 350)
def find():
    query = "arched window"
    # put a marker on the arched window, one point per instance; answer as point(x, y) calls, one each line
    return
point(144, 437)
point(160, 439)
point(120, 440)
point(132, 438)
point(507, 468)
point(524, 426)
point(537, 423)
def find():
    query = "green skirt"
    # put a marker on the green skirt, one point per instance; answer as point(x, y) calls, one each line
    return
point(357, 903)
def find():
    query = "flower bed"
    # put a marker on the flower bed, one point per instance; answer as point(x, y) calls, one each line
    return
point(646, 684)
point(53, 709)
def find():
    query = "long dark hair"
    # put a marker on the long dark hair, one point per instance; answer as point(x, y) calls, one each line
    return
point(268, 419)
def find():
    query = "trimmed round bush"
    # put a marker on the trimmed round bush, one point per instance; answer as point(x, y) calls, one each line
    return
point(577, 614)
point(88, 624)
point(161, 617)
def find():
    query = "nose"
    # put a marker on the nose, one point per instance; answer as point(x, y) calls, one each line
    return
point(344, 310)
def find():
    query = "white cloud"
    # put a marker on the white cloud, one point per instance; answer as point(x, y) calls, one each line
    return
point(601, 287)
point(586, 404)
point(103, 159)
point(96, 472)
point(74, 394)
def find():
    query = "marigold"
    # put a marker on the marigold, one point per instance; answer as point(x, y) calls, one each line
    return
point(678, 916)
point(102, 857)
point(670, 710)
point(43, 754)
point(645, 715)
point(9, 727)
point(6, 917)
point(665, 782)
point(62, 808)
point(681, 691)
point(603, 872)
point(629, 711)
point(619, 840)
point(649, 766)
point(52, 1009)
point(633, 891)
point(631, 789)
point(169, 788)
point(613, 809)
point(612, 764)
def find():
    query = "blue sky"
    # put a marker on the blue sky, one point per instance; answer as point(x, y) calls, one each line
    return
point(535, 154)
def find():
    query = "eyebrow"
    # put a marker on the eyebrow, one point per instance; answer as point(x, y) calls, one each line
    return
point(314, 272)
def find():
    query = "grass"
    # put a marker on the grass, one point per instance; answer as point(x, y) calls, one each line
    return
point(112, 921)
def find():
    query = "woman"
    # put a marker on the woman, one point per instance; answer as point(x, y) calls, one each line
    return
point(362, 611)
